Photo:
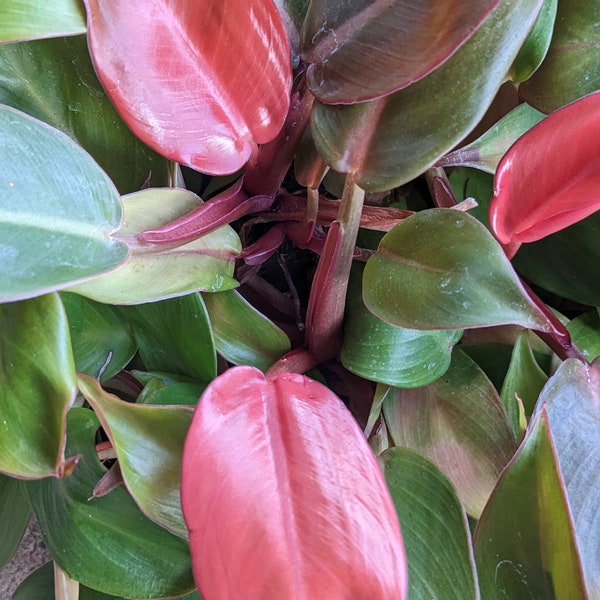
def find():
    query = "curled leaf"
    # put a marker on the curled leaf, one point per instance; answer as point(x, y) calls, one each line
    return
point(283, 496)
point(184, 75)
point(539, 187)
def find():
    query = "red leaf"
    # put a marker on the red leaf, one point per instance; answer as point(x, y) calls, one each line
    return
point(550, 177)
point(200, 82)
point(283, 496)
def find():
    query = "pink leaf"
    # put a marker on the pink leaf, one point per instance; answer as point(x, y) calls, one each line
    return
point(283, 496)
point(200, 82)
point(550, 177)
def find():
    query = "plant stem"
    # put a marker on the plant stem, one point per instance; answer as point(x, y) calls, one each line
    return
point(327, 300)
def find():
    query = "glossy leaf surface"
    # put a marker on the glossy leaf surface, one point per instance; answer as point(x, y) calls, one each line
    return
point(303, 508)
point(28, 19)
point(63, 235)
point(486, 151)
point(572, 401)
point(536, 45)
point(441, 269)
point(539, 188)
point(390, 141)
point(138, 559)
point(174, 336)
point(14, 516)
point(54, 81)
point(585, 332)
point(570, 69)
point(157, 273)
point(200, 100)
point(466, 435)
point(101, 338)
point(244, 336)
point(149, 444)
point(524, 542)
point(38, 386)
point(434, 527)
point(363, 50)
point(388, 354)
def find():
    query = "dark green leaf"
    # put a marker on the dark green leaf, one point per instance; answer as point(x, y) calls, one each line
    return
point(524, 541)
point(38, 386)
point(391, 141)
point(458, 422)
point(434, 528)
point(441, 269)
point(14, 516)
point(40, 584)
point(174, 336)
point(106, 543)
point(388, 354)
point(149, 444)
point(571, 68)
point(572, 401)
point(157, 392)
point(574, 254)
point(536, 45)
point(54, 80)
point(28, 19)
point(62, 235)
point(101, 337)
point(243, 335)
point(157, 272)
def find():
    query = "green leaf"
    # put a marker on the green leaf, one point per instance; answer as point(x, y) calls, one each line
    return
point(524, 541)
point(38, 386)
point(486, 151)
point(524, 379)
point(106, 543)
point(434, 528)
point(172, 394)
point(174, 336)
point(458, 422)
point(388, 354)
point(441, 269)
point(149, 445)
point(243, 335)
point(390, 141)
point(101, 337)
point(62, 235)
point(54, 81)
point(536, 45)
point(156, 272)
point(585, 332)
point(14, 516)
point(572, 401)
point(574, 254)
point(571, 68)
point(28, 19)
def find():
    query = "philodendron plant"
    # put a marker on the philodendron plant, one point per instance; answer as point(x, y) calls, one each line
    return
point(298, 298)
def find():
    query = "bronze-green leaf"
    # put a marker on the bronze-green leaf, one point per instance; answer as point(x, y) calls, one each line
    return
point(390, 141)
point(441, 269)
point(459, 423)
